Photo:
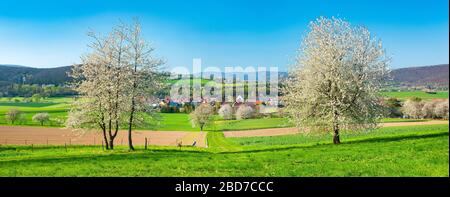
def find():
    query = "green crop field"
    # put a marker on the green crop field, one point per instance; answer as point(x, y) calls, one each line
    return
point(403, 151)
point(420, 94)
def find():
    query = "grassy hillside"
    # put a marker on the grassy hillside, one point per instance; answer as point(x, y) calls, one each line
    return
point(422, 152)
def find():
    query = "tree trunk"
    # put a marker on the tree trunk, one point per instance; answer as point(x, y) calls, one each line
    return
point(336, 139)
point(111, 144)
point(130, 125)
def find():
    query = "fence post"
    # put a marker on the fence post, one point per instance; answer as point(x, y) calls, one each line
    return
point(145, 143)
point(25, 142)
point(65, 146)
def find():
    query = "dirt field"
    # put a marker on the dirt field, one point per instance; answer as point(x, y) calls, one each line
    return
point(59, 136)
point(288, 131)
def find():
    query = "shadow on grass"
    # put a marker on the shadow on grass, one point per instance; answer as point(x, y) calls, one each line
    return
point(358, 141)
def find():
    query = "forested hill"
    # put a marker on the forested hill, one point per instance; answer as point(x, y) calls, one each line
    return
point(435, 76)
point(27, 75)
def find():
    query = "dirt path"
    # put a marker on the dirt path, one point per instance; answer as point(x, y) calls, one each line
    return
point(397, 124)
point(59, 136)
point(289, 131)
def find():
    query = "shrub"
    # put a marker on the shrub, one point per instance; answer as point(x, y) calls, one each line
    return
point(41, 118)
point(226, 112)
point(13, 115)
point(244, 112)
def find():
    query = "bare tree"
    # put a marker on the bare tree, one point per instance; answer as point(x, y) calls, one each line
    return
point(202, 116)
point(335, 81)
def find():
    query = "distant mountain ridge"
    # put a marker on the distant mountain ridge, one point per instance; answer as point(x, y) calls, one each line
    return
point(435, 76)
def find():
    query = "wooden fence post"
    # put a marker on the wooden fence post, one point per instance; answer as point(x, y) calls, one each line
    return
point(145, 143)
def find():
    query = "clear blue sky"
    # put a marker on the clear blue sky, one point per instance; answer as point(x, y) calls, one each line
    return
point(226, 33)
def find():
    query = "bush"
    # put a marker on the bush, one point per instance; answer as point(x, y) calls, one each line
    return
point(41, 118)
point(244, 112)
point(226, 112)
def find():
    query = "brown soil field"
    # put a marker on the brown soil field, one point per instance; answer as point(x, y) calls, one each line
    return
point(19, 135)
point(289, 131)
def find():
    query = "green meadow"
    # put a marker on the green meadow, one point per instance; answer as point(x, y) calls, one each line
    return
point(389, 151)
point(403, 95)
point(404, 151)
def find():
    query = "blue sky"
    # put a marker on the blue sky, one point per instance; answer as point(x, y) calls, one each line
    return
point(222, 33)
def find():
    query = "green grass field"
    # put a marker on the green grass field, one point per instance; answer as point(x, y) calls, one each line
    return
point(419, 94)
point(403, 151)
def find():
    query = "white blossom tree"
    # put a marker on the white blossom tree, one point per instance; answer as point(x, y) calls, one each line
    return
point(226, 112)
point(442, 110)
point(41, 118)
point(202, 116)
point(335, 81)
point(244, 112)
point(144, 78)
point(114, 80)
point(428, 109)
point(13, 115)
point(412, 108)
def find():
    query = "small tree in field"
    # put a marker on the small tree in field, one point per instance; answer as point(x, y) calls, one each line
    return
point(244, 112)
point(428, 109)
point(13, 115)
point(441, 110)
point(335, 82)
point(41, 118)
point(202, 116)
point(226, 112)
